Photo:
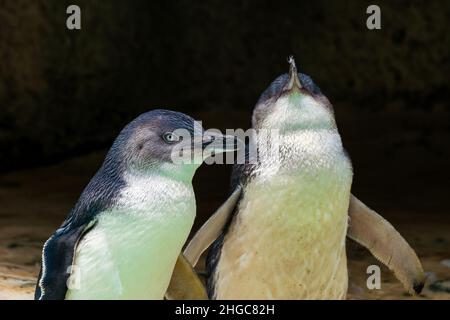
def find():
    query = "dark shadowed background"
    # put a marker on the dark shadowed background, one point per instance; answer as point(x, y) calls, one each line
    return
point(65, 95)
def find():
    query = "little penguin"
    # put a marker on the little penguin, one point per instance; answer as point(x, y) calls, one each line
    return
point(282, 232)
point(125, 234)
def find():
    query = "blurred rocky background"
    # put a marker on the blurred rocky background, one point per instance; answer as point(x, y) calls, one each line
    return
point(64, 96)
point(64, 93)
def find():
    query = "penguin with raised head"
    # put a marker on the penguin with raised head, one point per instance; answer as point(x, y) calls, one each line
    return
point(124, 236)
point(282, 232)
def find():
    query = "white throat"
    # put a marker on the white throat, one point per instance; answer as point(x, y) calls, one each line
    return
point(297, 111)
point(302, 137)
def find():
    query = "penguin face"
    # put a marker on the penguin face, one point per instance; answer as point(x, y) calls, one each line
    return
point(152, 141)
point(148, 141)
point(293, 97)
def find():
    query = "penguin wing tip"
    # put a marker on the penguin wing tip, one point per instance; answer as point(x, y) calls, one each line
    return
point(418, 286)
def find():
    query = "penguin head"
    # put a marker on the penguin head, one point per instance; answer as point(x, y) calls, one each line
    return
point(293, 99)
point(164, 142)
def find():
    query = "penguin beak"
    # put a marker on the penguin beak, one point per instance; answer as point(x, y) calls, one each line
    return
point(207, 145)
point(293, 81)
point(220, 143)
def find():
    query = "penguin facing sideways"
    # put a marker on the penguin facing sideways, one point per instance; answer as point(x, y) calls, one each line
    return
point(282, 232)
point(124, 236)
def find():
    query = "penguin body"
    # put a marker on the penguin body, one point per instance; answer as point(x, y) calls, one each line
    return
point(136, 264)
point(281, 234)
point(287, 238)
point(125, 234)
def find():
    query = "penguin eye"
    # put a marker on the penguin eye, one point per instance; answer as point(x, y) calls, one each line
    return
point(170, 137)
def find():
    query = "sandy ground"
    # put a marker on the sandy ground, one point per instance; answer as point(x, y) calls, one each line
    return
point(34, 202)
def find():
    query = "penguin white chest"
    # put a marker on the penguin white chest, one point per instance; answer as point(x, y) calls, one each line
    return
point(288, 239)
point(132, 250)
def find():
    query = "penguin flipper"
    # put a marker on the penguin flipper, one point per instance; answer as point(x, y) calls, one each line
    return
point(57, 257)
point(212, 228)
point(185, 284)
point(387, 245)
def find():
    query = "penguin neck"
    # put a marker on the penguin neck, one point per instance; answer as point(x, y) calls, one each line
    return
point(152, 190)
point(183, 173)
point(301, 133)
point(297, 111)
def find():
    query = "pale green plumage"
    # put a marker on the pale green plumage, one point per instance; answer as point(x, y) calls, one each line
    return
point(131, 252)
